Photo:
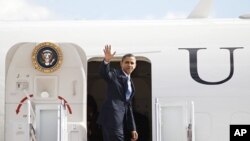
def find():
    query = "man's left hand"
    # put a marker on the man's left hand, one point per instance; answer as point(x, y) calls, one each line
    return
point(134, 136)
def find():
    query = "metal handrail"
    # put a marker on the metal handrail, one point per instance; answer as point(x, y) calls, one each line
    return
point(31, 118)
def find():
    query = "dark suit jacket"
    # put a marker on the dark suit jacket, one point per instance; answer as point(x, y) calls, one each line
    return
point(116, 109)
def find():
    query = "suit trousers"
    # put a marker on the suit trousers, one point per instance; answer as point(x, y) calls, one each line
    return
point(110, 134)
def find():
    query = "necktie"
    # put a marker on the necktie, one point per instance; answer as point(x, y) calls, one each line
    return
point(129, 90)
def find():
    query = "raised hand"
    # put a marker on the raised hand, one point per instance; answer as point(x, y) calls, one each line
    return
point(107, 52)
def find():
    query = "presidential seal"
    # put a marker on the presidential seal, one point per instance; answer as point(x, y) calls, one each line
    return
point(47, 57)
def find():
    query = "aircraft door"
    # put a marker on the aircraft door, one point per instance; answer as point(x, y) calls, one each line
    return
point(41, 79)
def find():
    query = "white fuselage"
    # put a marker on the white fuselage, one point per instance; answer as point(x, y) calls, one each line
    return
point(209, 93)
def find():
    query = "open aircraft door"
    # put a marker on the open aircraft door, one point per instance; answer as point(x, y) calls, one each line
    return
point(175, 120)
point(45, 92)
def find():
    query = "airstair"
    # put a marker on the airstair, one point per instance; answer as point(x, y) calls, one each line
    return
point(62, 134)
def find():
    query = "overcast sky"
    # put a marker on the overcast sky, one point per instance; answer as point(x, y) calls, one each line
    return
point(115, 9)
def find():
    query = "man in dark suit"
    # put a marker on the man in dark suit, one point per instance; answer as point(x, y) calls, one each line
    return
point(116, 115)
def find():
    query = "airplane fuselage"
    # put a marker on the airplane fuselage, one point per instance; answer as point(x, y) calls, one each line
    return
point(192, 77)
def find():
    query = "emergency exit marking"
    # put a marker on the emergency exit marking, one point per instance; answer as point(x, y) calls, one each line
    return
point(239, 132)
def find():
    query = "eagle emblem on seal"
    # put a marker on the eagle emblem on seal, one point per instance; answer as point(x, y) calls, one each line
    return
point(47, 57)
